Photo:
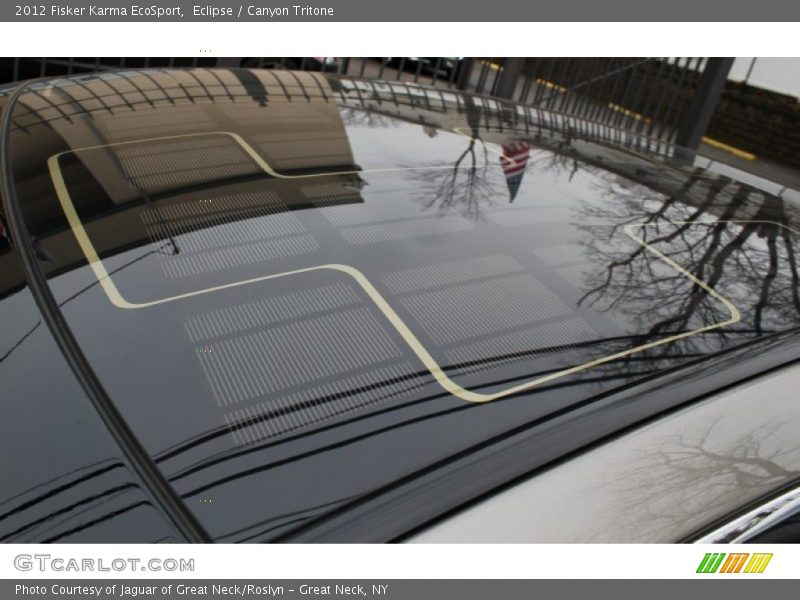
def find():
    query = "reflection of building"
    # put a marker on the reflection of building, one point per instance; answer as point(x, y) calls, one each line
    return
point(149, 148)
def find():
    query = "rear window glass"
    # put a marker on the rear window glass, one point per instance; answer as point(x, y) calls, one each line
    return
point(298, 296)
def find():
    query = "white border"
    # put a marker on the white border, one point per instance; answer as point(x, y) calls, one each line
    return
point(414, 561)
point(399, 39)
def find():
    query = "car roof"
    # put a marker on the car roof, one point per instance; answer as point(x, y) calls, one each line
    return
point(332, 288)
point(664, 482)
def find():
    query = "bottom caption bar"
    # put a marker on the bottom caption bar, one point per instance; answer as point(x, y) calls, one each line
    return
point(400, 589)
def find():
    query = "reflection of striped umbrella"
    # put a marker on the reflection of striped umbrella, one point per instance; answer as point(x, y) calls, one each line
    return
point(514, 161)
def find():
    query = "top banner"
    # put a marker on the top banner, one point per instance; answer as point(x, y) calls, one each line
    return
point(406, 11)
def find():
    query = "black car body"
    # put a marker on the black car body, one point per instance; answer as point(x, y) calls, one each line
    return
point(332, 309)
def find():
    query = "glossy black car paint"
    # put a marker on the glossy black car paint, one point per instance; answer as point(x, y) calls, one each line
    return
point(322, 423)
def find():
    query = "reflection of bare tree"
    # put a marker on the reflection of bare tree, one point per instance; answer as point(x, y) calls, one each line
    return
point(559, 159)
point(467, 185)
point(463, 188)
point(687, 477)
point(745, 251)
point(367, 118)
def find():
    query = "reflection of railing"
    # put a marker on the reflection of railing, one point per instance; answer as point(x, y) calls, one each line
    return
point(133, 90)
point(644, 95)
point(497, 116)
point(86, 95)
point(490, 118)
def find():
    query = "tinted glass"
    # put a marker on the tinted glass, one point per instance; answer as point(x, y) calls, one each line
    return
point(301, 290)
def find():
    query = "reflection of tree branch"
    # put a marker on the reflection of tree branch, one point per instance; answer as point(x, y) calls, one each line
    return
point(717, 258)
point(649, 218)
point(753, 260)
point(787, 240)
point(702, 471)
point(367, 118)
point(465, 185)
point(768, 278)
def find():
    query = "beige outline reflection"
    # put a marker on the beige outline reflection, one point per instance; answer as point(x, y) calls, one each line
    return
point(380, 302)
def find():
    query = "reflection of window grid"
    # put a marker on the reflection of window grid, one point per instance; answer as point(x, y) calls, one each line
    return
point(458, 313)
point(266, 361)
point(521, 345)
point(316, 404)
point(271, 398)
point(221, 259)
point(173, 120)
point(235, 219)
point(194, 235)
point(223, 206)
point(154, 167)
point(399, 325)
